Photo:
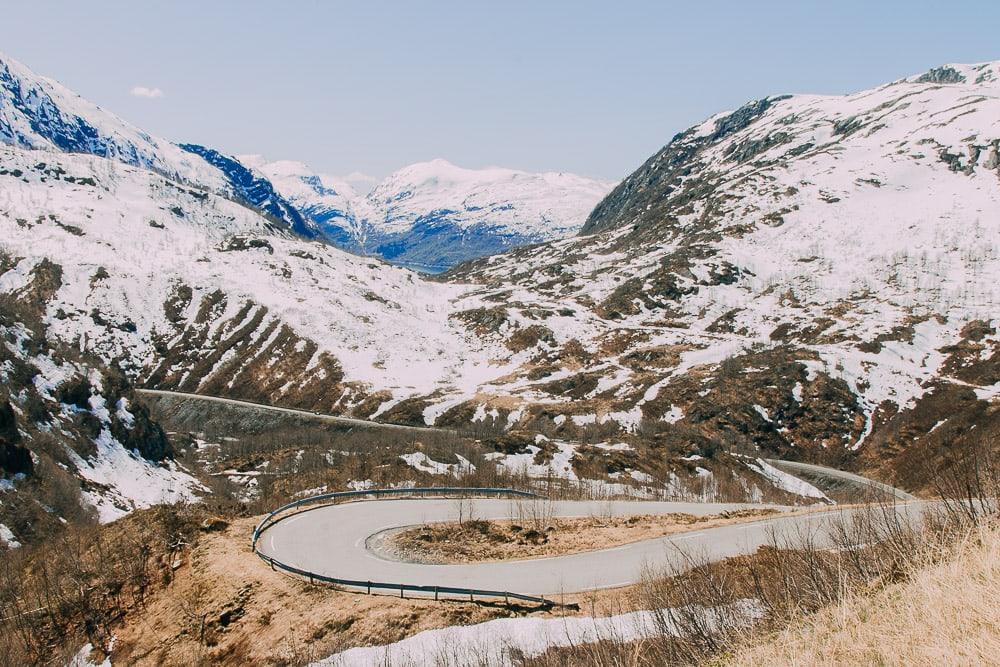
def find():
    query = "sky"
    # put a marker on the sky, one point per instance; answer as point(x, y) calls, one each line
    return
point(368, 87)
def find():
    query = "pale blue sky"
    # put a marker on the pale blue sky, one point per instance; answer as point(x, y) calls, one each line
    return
point(589, 87)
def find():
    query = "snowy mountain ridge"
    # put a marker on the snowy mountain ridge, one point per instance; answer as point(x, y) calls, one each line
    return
point(545, 206)
point(39, 113)
point(431, 215)
point(849, 241)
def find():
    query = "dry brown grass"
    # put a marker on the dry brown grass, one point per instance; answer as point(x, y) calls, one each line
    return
point(945, 613)
point(175, 586)
point(890, 592)
point(480, 541)
point(253, 615)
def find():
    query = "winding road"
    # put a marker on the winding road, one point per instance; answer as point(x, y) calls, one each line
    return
point(842, 476)
point(342, 541)
point(350, 421)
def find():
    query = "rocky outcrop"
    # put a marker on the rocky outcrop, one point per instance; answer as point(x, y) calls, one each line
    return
point(14, 459)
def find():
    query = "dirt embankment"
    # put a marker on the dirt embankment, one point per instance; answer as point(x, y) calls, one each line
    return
point(223, 605)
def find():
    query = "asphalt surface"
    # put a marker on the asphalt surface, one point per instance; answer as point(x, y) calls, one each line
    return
point(291, 411)
point(337, 541)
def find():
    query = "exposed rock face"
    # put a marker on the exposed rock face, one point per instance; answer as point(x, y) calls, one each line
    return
point(14, 459)
point(663, 181)
point(254, 190)
point(131, 423)
point(942, 75)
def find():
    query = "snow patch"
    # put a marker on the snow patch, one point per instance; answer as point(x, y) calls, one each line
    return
point(786, 482)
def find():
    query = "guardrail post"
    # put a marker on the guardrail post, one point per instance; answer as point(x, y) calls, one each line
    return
point(471, 599)
point(369, 588)
point(435, 593)
point(401, 590)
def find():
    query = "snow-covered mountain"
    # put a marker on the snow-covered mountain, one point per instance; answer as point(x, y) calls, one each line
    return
point(429, 216)
point(805, 274)
point(804, 270)
point(326, 201)
point(433, 215)
point(37, 112)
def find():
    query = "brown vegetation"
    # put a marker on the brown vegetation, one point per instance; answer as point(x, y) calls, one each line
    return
point(945, 613)
point(481, 540)
point(178, 585)
point(877, 597)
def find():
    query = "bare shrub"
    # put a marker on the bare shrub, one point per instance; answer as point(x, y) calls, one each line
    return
point(797, 572)
point(73, 588)
point(534, 513)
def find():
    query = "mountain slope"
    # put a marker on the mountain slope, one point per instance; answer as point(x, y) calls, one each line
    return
point(807, 276)
point(432, 215)
point(39, 113)
point(112, 275)
point(799, 271)
point(76, 443)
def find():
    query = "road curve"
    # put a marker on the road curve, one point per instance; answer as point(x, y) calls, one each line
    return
point(293, 411)
point(863, 483)
point(335, 541)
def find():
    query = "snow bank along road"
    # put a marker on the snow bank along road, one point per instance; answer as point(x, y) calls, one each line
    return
point(342, 541)
point(857, 481)
point(291, 411)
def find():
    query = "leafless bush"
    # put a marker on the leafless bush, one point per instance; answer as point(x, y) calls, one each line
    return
point(534, 513)
point(73, 588)
point(465, 510)
point(796, 572)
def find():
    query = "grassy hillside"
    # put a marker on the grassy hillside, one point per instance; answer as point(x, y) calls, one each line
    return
point(948, 612)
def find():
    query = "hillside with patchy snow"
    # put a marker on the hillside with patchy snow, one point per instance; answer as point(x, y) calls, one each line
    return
point(796, 273)
point(806, 276)
point(433, 215)
point(190, 290)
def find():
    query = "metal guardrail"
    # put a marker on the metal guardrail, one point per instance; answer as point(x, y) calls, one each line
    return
point(313, 577)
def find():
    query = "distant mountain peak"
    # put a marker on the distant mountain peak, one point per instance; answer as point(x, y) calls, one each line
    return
point(431, 215)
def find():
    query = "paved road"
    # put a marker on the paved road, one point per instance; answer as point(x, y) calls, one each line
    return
point(793, 467)
point(292, 411)
point(335, 541)
point(788, 466)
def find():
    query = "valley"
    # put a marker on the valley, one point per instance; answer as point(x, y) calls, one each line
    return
point(784, 300)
